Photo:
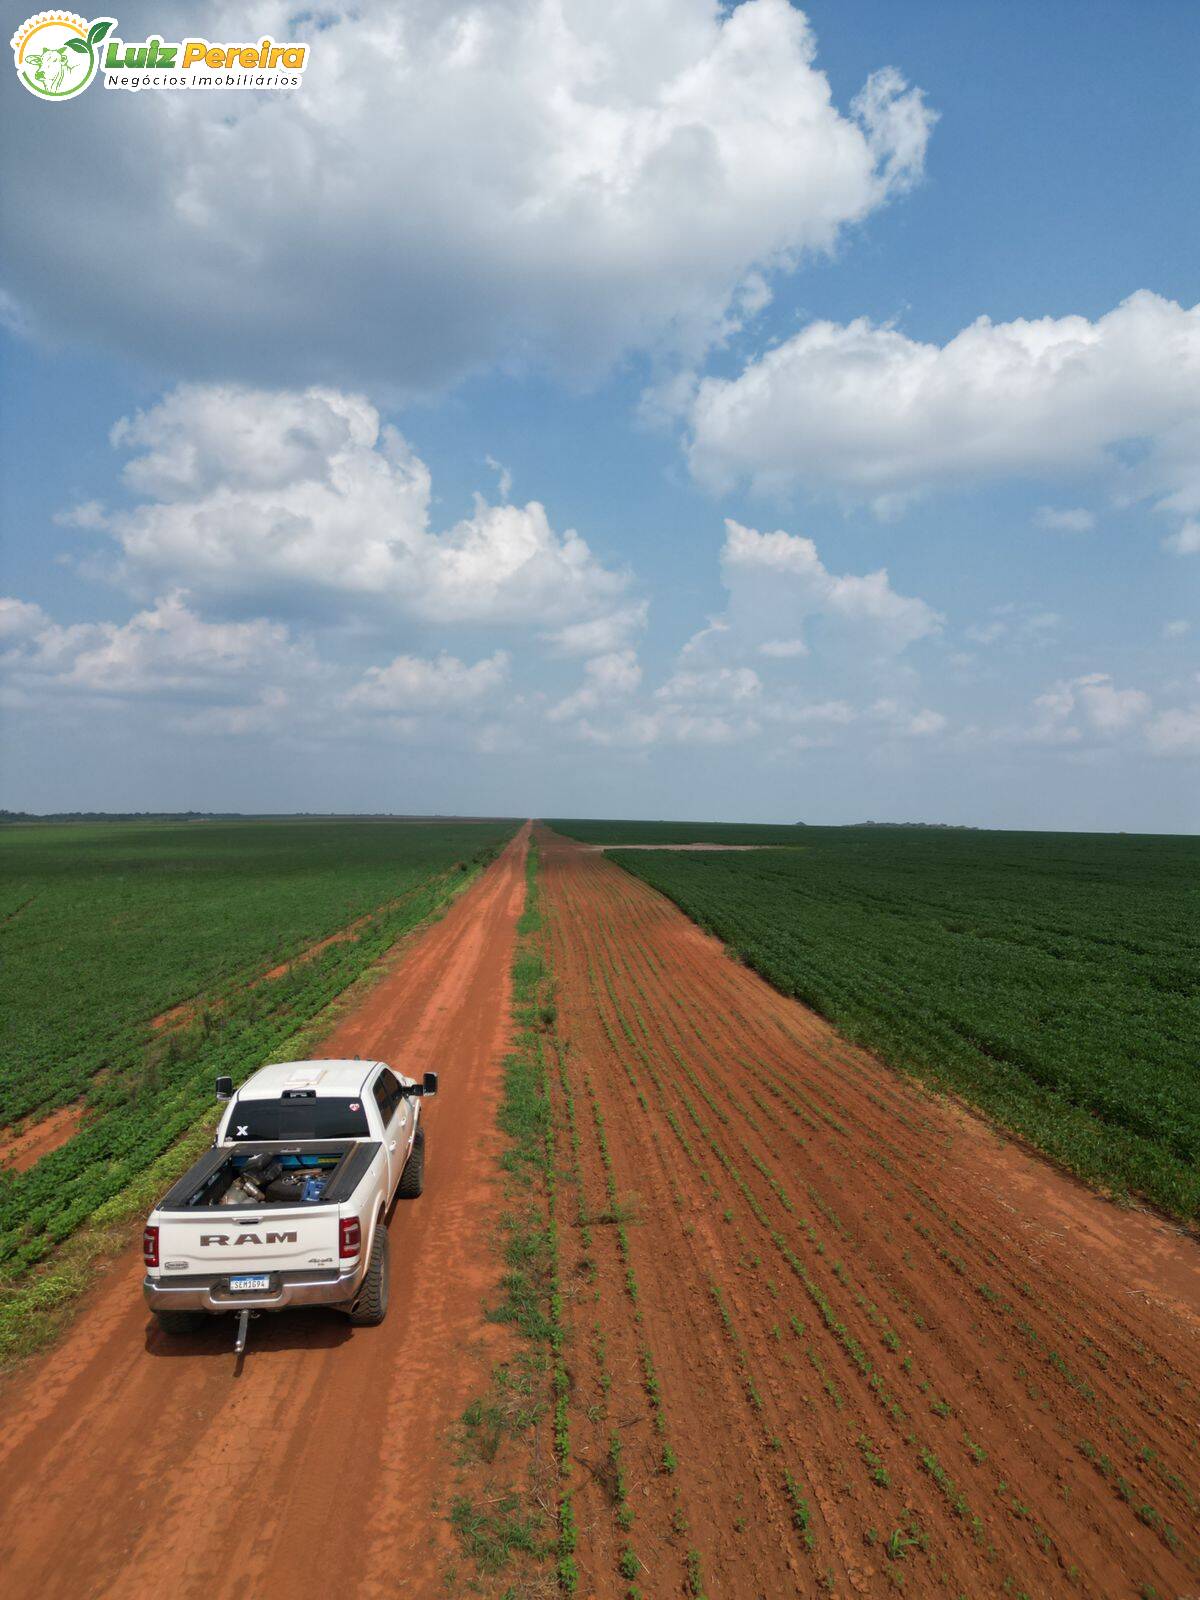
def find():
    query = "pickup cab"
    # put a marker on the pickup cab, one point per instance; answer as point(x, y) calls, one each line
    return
point(289, 1207)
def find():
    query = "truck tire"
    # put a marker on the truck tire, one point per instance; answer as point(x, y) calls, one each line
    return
point(177, 1323)
point(371, 1306)
point(412, 1179)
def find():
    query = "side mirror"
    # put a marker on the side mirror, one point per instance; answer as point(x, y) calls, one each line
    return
point(430, 1083)
point(224, 1088)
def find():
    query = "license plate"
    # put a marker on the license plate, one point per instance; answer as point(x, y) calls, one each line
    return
point(238, 1285)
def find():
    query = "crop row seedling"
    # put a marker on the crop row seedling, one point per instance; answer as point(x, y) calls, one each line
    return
point(853, 1347)
point(618, 1214)
point(938, 1406)
point(750, 1388)
point(890, 1343)
point(1144, 1511)
point(1057, 1363)
point(801, 1516)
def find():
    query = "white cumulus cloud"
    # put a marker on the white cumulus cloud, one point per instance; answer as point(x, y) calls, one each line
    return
point(865, 411)
point(606, 678)
point(1090, 703)
point(20, 619)
point(416, 684)
point(166, 651)
point(548, 181)
point(1107, 708)
point(303, 499)
point(735, 684)
point(600, 635)
point(778, 583)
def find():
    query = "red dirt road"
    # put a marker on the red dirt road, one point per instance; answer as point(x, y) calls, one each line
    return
point(137, 1466)
point(854, 1343)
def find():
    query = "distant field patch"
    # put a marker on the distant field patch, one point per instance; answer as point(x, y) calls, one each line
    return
point(679, 834)
point(700, 845)
point(1051, 979)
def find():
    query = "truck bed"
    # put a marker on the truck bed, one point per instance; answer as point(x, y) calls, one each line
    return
point(342, 1163)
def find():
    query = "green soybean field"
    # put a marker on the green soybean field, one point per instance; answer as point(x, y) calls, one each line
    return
point(1051, 980)
point(137, 961)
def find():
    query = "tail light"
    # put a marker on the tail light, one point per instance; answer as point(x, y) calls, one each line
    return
point(349, 1238)
point(150, 1246)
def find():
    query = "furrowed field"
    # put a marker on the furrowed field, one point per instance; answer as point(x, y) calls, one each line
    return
point(1053, 980)
point(103, 929)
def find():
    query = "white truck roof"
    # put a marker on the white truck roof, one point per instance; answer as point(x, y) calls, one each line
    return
point(336, 1078)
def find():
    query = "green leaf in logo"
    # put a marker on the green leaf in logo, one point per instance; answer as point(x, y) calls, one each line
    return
point(77, 44)
point(97, 31)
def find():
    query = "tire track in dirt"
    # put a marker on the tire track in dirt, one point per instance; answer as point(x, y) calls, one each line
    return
point(928, 1356)
point(20, 1151)
point(136, 1465)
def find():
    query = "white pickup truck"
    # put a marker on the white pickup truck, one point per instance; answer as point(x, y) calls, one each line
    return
point(289, 1207)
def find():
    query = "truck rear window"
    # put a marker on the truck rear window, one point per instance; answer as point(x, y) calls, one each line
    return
point(262, 1120)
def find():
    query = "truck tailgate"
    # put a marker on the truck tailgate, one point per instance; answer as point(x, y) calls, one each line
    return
point(280, 1239)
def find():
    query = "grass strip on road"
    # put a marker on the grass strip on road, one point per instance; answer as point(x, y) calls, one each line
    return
point(535, 1386)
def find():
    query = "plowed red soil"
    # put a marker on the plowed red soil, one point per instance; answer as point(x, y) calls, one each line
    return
point(887, 1351)
point(137, 1466)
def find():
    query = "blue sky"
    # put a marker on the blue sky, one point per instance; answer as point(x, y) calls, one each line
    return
point(715, 319)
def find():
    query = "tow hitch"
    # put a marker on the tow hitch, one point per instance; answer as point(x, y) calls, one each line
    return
point(240, 1340)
